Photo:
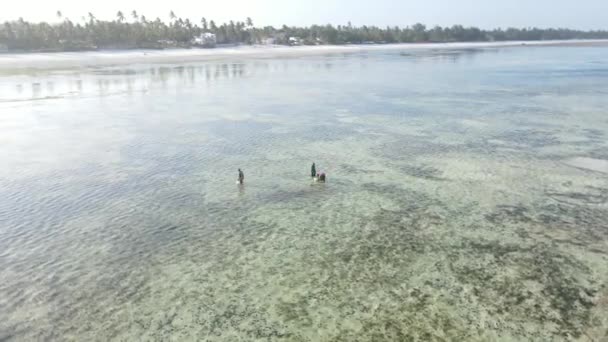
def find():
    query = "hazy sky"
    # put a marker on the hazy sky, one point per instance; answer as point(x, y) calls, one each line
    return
point(581, 14)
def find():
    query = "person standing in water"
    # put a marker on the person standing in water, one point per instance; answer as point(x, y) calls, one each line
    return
point(241, 177)
point(313, 171)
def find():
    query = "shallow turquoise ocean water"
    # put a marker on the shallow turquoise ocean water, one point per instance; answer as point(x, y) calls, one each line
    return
point(467, 198)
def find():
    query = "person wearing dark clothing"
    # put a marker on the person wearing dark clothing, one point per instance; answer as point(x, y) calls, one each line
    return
point(241, 177)
point(313, 171)
point(322, 177)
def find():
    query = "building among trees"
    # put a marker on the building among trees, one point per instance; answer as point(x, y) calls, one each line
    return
point(90, 33)
point(206, 39)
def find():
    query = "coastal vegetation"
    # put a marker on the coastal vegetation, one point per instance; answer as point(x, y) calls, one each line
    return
point(135, 30)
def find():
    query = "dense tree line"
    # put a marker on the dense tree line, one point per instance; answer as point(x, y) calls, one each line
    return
point(133, 30)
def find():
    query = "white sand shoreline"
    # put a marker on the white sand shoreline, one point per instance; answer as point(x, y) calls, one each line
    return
point(58, 60)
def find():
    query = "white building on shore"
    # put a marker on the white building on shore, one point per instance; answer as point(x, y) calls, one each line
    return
point(295, 41)
point(206, 39)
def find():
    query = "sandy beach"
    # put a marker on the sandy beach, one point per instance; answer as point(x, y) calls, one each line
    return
point(61, 60)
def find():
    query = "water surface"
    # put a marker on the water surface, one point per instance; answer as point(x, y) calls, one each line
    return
point(467, 198)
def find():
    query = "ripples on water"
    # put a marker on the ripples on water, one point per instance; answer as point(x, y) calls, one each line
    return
point(466, 199)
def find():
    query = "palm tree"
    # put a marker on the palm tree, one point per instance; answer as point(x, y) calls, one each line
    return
point(249, 22)
point(204, 23)
point(120, 16)
point(134, 14)
point(91, 17)
point(172, 15)
point(59, 14)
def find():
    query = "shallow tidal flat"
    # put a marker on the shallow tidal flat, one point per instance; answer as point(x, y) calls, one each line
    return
point(467, 198)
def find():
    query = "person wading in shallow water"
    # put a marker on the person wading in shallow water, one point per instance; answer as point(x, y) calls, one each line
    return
point(241, 177)
point(322, 177)
point(313, 171)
